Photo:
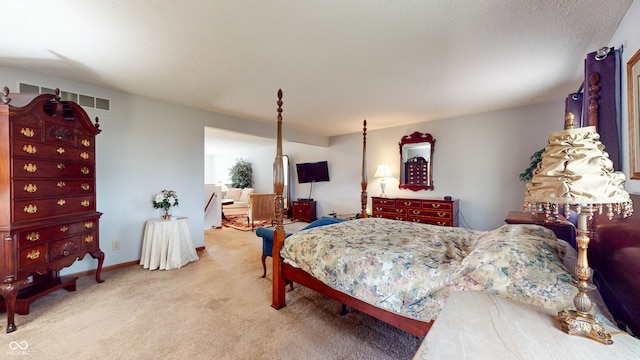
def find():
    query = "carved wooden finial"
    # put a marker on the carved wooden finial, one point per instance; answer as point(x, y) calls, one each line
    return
point(593, 108)
point(97, 125)
point(569, 122)
point(57, 94)
point(5, 96)
point(279, 104)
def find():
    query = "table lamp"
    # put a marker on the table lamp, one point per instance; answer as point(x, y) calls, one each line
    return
point(223, 187)
point(576, 171)
point(382, 172)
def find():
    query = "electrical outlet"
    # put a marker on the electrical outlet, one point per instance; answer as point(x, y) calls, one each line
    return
point(115, 245)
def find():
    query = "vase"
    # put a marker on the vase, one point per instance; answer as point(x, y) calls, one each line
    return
point(166, 215)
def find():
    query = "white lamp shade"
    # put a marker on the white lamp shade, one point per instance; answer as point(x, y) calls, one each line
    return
point(223, 186)
point(382, 171)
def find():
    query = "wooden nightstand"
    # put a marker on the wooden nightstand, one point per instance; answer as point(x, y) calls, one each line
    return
point(304, 210)
point(562, 227)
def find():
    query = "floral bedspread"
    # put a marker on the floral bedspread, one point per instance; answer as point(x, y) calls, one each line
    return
point(411, 268)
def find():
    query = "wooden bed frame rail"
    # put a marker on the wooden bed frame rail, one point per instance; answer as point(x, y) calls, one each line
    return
point(283, 272)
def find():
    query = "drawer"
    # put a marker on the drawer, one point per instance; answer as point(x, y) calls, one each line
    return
point(26, 132)
point(90, 241)
point(25, 168)
point(30, 237)
point(301, 211)
point(438, 214)
point(29, 189)
point(65, 248)
point(437, 205)
point(26, 210)
point(85, 141)
point(383, 209)
point(33, 150)
point(408, 203)
point(383, 202)
point(33, 256)
point(302, 204)
point(391, 216)
point(58, 134)
point(432, 221)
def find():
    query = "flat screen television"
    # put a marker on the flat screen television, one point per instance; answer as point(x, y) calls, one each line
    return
point(312, 172)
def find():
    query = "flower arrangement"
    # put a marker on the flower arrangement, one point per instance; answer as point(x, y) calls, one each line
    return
point(165, 200)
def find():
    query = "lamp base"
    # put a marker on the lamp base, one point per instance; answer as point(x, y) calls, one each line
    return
point(583, 324)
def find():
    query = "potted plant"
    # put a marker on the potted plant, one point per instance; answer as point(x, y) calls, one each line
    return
point(241, 174)
point(527, 175)
point(165, 200)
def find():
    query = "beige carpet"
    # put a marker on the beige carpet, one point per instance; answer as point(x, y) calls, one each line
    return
point(215, 308)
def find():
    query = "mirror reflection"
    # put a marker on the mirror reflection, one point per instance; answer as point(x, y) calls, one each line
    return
point(416, 161)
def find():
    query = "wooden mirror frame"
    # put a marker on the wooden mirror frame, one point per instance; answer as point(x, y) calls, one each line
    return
point(417, 138)
point(633, 96)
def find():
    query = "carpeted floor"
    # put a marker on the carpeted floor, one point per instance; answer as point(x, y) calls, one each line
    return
point(215, 308)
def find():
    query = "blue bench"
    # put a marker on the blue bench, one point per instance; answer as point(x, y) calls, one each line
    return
point(266, 233)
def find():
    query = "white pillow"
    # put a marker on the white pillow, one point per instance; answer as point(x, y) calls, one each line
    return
point(234, 194)
point(245, 194)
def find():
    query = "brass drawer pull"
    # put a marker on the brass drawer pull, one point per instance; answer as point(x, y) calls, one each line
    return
point(60, 150)
point(30, 167)
point(61, 202)
point(27, 132)
point(88, 239)
point(85, 186)
point(63, 228)
point(85, 170)
point(60, 166)
point(88, 225)
point(84, 155)
point(442, 214)
point(85, 203)
point(29, 149)
point(65, 253)
point(34, 236)
point(30, 209)
point(33, 254)
point(30, 188)
point(61, 184)
point(435, 205)
point(85, 143)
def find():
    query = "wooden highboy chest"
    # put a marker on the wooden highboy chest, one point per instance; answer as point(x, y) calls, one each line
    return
point(48, 216)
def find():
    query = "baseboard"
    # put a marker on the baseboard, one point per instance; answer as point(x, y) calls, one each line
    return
point(118, 266)
point(106, 268)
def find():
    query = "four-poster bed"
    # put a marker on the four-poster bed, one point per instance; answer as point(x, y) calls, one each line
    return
point(283, 272)
point(420, 264)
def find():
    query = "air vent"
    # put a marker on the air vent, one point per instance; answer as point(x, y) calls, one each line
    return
point(83, 100)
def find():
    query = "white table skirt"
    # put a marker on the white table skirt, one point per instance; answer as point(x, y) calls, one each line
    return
point(167, 244)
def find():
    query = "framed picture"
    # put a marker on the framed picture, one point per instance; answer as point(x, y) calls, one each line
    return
point(633, 91)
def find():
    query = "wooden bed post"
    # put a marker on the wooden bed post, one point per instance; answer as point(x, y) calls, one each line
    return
point(363, 182)
point(278, 299)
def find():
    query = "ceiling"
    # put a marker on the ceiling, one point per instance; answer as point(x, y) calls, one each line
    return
point(338, 62)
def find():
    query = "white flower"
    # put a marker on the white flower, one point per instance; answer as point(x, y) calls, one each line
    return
point(158, 198)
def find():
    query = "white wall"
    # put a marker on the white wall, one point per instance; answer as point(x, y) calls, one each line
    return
point(146, 146)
